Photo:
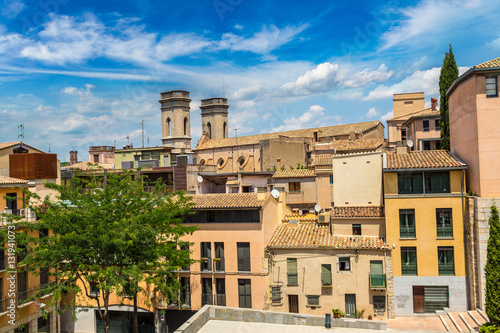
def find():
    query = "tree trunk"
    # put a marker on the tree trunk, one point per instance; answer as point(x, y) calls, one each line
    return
point(136, 323)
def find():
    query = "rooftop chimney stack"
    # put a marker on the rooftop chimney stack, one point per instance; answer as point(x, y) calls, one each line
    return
point(73, 157)
point(434, 103)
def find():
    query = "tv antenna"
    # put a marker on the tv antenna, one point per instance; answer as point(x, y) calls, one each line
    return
point(20, 134)
point(142, 131)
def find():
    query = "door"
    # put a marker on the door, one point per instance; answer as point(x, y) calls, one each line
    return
point(245, 293)
point(350, 305)
point(293, 303)
point(418, 299)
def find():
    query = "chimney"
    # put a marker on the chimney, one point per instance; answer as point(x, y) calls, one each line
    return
point(73, 157)
point(434, 103)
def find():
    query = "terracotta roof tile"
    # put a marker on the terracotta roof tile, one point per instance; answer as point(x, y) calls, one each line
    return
point(228, 200)
point(296, 173)
point(422, 114)
point(328, 131)
point(358, 211)
point(423, 160)
point(9, 180)
point(4, 145)
point(427, 111)
point(490, 63)
point(312, 235)
point(347, 145)
point(85, 166)
point(322, 160)
point(301, 218)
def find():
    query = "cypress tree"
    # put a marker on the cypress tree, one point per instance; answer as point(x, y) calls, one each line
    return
point(449, 73)
point(492, 271)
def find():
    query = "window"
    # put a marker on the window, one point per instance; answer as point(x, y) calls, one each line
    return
point(220, 292)
point(276, 295)
point(294, 187)
point(185, 294)
point(410, 183)
point(209, 129)
point(437, 182)
point(437, 125)
point(186, 126)
point(206, 256)
point(408, 261)
point(185, 249)
point(219, 257)
point(427, 145)
point(243, 250)
point(444, 222)
point(407, 223)
point(42, 233)
point(491, 87)
point(44, 277)
point(403, 134)
point(169, 126)
point(245, 293)
point(22, 286)
point(408, 102)
point(423, 182)
point(446, 261)
point(94, 290)
point(344, 264)
point(312, 300)
point(326, 275)
point(43, 324)
point(356, 229)
point(223, 216)
point(206, 291)
point(379, 303)
point(291, 272)
point(425, 125)
point(224, 130)
point(96, 158)
point(331, 179)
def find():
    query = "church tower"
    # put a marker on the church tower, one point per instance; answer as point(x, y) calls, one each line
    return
point(175, 121)
point(214, 117)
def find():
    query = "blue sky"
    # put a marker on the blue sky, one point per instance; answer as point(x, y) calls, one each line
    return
point(80, 73)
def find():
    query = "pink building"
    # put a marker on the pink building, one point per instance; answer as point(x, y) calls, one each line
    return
point(102, 154)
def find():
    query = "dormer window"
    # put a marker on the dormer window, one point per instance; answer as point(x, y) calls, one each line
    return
point(491, 87)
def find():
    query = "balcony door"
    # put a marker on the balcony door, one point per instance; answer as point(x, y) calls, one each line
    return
point(293, 303)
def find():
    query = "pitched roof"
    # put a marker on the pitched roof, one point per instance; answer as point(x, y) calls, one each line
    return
point(4, 145)
point(9, 180)
point(312, 235)
point(358, 211)
point(348, 145)
point(301, 218)
point(419, 113)
point(423, 114)
point(327, 131)
point(296, 173)
point(85, 166)
point(322, 160)
point(228, 200)
point(426, 159)
point(489, 64)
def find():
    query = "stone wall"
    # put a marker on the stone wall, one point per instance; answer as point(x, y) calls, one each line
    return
point(390, 287)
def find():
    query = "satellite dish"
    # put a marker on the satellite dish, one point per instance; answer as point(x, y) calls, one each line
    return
point(317, 208)
point(200, 179)
point(275, 194)
point(409, 143)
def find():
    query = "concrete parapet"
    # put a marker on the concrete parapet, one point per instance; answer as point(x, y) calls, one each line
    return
point(210, 312)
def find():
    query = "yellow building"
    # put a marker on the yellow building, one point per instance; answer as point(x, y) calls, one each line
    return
point(423, 193)
point(129, 158)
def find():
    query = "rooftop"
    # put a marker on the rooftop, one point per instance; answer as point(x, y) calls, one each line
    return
point(419, 113)
point(328, 131)
point(358, 211)
point(427, 159)
point(86, 165)
point(426, 113)
point(348, 145)
point(4, 145)
point(312, 236)
point(296, 173)
point(489, 64)
point(11, 181)
point(229, 200)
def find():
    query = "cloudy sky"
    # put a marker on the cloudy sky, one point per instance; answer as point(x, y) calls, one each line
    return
point(80, 73)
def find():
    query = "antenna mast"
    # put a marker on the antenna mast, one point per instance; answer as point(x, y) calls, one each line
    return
point(142, 129)
point(20, 134)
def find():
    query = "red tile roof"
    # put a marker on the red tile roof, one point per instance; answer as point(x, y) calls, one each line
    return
point(348, 145)
point(296, 173)
point(312, 235)
point(490, 63)
point(358, 211)
point(11, 181)
point(426, 159)
point(228, 200)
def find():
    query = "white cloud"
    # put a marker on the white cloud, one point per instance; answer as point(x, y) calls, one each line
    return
point(372, 112)
point(11, 8)
point(386, 116)
point(313, 117)
point(494, 43)
point(368, 75)
point(238, 27)
point(88, 102)
point(247, 93)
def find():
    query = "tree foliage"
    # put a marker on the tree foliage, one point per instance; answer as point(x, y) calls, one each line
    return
point(113, 238)
point(449, 73)
point(491, 269)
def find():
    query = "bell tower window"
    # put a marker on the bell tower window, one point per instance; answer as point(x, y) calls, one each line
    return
point(209, 129)
point(168, 126)
point(224, 129)
point(186, 126)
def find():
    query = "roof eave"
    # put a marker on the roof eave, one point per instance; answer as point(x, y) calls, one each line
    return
point(466, 76)
point(426, 169)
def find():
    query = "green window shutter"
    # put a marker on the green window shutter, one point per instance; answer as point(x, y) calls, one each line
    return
point(326, 275)
point(291, 270)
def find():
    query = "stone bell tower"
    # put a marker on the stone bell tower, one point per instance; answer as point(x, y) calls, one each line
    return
point(175, 120)
point(214, 117)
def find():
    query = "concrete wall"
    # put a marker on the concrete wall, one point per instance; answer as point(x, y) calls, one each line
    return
point(358, 179)
point(403, 291)
point(369, 226)
point(407, 102)
point(309, 261)
point(280, 152)
point(230, 157)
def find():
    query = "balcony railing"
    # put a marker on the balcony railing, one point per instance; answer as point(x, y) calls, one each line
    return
point(23, 296)
point(220, 299)
point(3, 304)
point(27, 213)
point(407, 232)
point(185, 299)
point(445, 231)
point(378, 281)
point(206, 265)
point(446, 269)
point(409, 269)
point(219, 265)
point(207, 299)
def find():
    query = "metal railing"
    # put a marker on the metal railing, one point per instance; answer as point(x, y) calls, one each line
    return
point(206, 265)
point(445, 231)
point(207, 299)
point(23, 296)
point(407, 232)
point(220, 299)
point(378, 281)
point(185, 299)
point(409, 269)
point(219, 265)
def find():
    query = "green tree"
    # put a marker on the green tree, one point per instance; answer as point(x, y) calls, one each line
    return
point(449, 73)
point(491, 269)
point(106, 241)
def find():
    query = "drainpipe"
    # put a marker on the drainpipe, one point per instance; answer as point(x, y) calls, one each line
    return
point(462, 188)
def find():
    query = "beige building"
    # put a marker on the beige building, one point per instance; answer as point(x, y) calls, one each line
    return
point(175, 120)
point(412, 121)
point(474, 108)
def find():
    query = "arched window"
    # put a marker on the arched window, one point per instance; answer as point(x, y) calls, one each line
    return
point(220, 162)
point(224, 128)
point(185, 126)
point(202, 162)
point(209, 129)
point(168, 126)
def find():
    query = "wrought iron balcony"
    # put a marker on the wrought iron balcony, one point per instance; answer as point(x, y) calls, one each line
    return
point(378, 281)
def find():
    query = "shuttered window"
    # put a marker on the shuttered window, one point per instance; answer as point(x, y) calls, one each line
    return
point(446, 261)
point(444, 225)
point(326, 275)
point(291, 271)
point(243, 257)
point(407, 223)
point(408, 261)
point(491, 87)
point(245, 293)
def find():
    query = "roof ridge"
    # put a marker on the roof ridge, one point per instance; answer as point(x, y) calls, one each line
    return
point(411, 113)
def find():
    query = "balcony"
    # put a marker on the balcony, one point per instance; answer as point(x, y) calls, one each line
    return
point(219, 265)
point(378, 281)
point(220, 299)
point(207, 299)
point(27, 213)
point(25, 296)
point(445, 232)
point(206, 265)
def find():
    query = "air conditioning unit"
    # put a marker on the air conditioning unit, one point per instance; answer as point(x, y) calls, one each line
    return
point(324, 218)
